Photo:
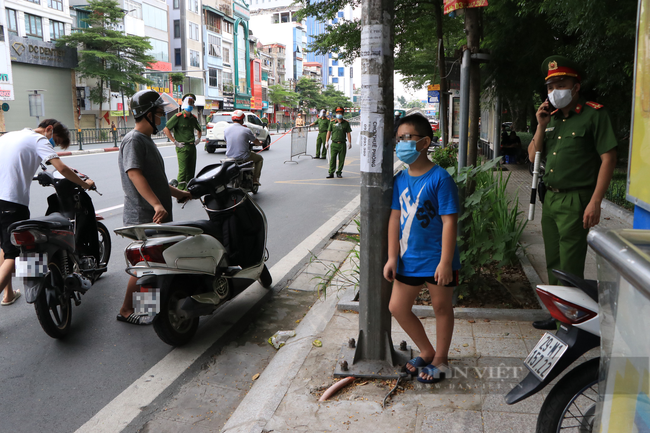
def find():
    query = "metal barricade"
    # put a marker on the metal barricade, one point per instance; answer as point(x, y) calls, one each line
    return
point(299, 136)
point(624, 311)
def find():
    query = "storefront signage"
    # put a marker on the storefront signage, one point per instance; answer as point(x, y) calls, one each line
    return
point(241, 11)
point(160, 66)
point(228, 104)
point(242, 103)
point(41, 53)
point(160, 89)
point(6, 92)
point(119, 113)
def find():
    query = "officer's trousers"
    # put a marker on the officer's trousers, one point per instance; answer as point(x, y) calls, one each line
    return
point(565, 238)
point(320, 143)
point(186, 164)
point(338, 150)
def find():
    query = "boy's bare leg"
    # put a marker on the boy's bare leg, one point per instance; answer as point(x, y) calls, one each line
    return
point(6, 269)
point(441, 301)
point(127, 306)
point(400, 306)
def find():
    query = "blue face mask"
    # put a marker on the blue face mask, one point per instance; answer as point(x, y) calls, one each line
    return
point(407, 151)
point(189, 108)
point(163, 123)
point(52, 142)
point(339, 116)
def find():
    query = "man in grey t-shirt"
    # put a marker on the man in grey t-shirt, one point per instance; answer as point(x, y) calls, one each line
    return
point(238, 138)
point(147, 196)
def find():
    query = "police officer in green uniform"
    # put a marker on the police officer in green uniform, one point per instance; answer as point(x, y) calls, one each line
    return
point(578, 142)
point(183, 125)
point(338, 130)
point(323, 126)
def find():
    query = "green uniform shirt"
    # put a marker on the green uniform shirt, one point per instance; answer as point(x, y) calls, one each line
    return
point(573, 145)
point(323, 124)
point(183, 127)
point(339, 130)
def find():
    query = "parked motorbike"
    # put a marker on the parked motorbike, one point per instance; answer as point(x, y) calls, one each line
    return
point(61, 254)
point(571, 403)
point(197, 266)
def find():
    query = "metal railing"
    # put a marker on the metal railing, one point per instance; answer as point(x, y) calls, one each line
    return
point(102, 135)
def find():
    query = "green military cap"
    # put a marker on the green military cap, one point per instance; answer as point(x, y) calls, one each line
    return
point(560, 66)
point(191, 95)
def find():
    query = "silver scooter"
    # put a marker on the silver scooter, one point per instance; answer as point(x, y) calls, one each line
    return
point(188, 269)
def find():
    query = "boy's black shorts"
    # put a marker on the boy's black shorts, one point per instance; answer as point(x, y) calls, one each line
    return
point(9, 214)
point(418, 281)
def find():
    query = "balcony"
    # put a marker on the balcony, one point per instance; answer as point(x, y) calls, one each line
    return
point(213, 29)
point(282, 70)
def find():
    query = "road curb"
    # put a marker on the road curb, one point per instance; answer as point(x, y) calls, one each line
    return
point(618, 211)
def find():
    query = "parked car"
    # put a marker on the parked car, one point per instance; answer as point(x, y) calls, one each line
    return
point(220, 121)
point(434, 125)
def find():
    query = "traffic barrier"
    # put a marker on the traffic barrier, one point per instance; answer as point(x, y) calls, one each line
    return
point(299, 136)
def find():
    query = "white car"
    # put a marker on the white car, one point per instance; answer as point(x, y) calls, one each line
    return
point(223, 119)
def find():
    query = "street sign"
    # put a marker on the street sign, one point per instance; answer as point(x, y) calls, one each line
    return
point(5, 107)
point(432, 87)
point(434, 96)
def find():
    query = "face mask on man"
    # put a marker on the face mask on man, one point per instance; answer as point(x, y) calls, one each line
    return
point(339, 116)
point(163, 123)
point(407, 151)
point(560, 98)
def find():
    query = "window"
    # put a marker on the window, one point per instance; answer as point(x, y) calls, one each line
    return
point(341, 72)
point(214, 46)
point(159, 50)
point(227, 82)
point(335, 80)
point(213, 78)
point(38, 2)
point(33, 26)
point(134, 8)
point(193, 5)
point(176, 4)
point(154, 17)
point(340, 14)
point(194, 31)
point(82, 16)
point(194, 58)
point(226, 55)
point(56, 30)
point(177, 29)
point(177, 57)
point(55, 4)
point(228, 27)
point(330, 70)
point(12, 22)
point(335, 20)
point(335, 62)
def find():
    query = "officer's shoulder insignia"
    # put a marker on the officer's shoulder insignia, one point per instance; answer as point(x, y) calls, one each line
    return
point(578, 108)
point(179, 114)
point(555, 111)
point(595, 105)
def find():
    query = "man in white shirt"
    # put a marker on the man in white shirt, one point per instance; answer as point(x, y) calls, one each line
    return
point(21, 153)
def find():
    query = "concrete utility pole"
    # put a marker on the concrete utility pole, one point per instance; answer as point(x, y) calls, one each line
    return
point(472, 29)
point(374, 354)
point(464, 110)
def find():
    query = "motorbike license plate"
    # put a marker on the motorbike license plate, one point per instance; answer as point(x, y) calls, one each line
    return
point(30, 265)
point(146, 302)
point(546, 353)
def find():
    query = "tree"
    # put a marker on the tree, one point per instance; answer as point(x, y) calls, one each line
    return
point(177, 79)
point(309, 92)
point(415, 104)
point(280, 94)
point(333, 98)
point(401, 100)
point(114, 59)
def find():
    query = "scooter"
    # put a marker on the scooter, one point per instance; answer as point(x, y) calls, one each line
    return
point(61, 254)
point(571, 404)
point(189, 269)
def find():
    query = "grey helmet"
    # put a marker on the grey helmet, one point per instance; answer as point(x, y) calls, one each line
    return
point(146, 100)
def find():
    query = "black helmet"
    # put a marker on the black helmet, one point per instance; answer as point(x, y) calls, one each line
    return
point(144, 101)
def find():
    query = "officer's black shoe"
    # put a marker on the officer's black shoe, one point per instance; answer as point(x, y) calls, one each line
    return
point(547, 324)
point(339, 175)
point(330, 176)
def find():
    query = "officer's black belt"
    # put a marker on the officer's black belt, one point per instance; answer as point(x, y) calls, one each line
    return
point(568, 189)
point(340, 142)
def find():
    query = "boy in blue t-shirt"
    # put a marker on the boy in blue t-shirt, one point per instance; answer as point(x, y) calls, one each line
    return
point(422, 246)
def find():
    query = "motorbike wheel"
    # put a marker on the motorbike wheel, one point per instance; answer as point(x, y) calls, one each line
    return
point(571, 404)
point(54, 320)
point(265, 278)
point(104, 248)
point(210, 149)
point(168, 324)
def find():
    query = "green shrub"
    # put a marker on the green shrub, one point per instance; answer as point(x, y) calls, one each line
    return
point(616, 193)
point(445, 157)
point(490, 221)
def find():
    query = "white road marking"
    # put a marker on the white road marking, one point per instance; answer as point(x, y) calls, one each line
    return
point(108, 209)
point(124, 408)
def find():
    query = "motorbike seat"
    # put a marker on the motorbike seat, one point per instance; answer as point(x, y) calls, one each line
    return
point(589, 287)
point(208, 227)
point(54, 221)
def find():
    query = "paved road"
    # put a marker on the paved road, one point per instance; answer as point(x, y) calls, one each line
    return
point(50, 385)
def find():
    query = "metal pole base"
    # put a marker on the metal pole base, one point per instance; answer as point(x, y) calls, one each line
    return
point(350, 362)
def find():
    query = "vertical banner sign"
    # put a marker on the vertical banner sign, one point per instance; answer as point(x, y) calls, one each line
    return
point(6, 78)
point(639, 164)
point(373, 47)
point(452, 5)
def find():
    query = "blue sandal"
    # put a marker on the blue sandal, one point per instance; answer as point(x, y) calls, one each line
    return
point(433, 371)
point(417, 363)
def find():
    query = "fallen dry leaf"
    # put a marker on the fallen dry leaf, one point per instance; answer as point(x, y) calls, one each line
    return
point(256, 376)
point(472, 321)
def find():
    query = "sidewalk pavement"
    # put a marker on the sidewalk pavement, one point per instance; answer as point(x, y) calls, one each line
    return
point(486, 357)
